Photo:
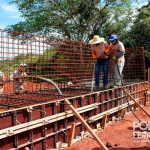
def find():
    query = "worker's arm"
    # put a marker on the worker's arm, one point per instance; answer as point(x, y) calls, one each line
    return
point(107, 50)
point(94, 54)
point(122, 51)
point(120, 54)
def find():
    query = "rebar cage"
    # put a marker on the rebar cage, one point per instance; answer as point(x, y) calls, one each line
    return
point(67, 63)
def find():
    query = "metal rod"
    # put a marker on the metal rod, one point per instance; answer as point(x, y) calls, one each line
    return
point(15, 106)
point(22, 99)
point(63, 95)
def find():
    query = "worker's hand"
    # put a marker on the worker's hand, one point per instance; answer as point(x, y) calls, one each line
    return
point(114, 58)
point(95, 60)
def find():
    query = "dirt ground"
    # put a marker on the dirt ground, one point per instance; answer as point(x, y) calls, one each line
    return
point(118, 135)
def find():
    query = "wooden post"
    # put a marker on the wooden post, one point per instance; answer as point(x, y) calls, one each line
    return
point(104, 121)
point(100, 143)
point(71, 134)
point(122, 113)
point(146, 98)
point(135, 107)
point(136, 102)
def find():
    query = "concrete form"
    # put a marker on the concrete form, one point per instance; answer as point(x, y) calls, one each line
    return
point(42, 126)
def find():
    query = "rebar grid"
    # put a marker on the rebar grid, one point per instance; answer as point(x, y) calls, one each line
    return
point(68, 63)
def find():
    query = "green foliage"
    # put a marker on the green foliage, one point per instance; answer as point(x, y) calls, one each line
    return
point(38, 64)
point(73, 19)
point(139, 35)
point(9, 65)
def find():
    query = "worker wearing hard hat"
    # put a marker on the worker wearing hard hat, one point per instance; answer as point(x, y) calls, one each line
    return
point(98, 46)
point(18, 82)
point(117, 51)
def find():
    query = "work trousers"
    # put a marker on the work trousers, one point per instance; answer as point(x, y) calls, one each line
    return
point(116, 75)
point(104, 63)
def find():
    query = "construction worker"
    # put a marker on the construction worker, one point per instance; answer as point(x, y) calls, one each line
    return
point(117, 51)
point(99, 46)
point(18, 83)
point(2, 77)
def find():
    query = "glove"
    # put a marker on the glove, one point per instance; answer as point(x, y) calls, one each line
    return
point(94, 54)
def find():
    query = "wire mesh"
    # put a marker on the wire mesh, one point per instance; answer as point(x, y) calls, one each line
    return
point(68, 63)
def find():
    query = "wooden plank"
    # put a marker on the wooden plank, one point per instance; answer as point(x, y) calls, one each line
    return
point(71, 134)
point(122, 113)
point(100, 143)
point(103, 124)
point(137, 103)
point(146, 98)
point(135, 107)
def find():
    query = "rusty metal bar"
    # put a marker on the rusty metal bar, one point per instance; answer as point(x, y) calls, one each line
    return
point(62, 95)
point(15, 106)
point(22, 99)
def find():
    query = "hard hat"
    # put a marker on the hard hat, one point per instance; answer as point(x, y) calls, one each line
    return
point(113, 37)
point(23, 65)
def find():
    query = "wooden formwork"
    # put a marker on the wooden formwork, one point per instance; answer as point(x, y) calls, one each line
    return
point(42, 126)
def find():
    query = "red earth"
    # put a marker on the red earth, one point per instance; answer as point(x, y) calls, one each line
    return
point(118, 135)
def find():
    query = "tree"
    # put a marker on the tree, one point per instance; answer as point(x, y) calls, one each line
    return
point(139, 35)
point(73, 19)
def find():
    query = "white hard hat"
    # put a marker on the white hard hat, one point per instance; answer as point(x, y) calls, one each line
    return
point(23, 65)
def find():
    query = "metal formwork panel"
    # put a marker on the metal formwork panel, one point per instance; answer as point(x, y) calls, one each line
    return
point(43, 125)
